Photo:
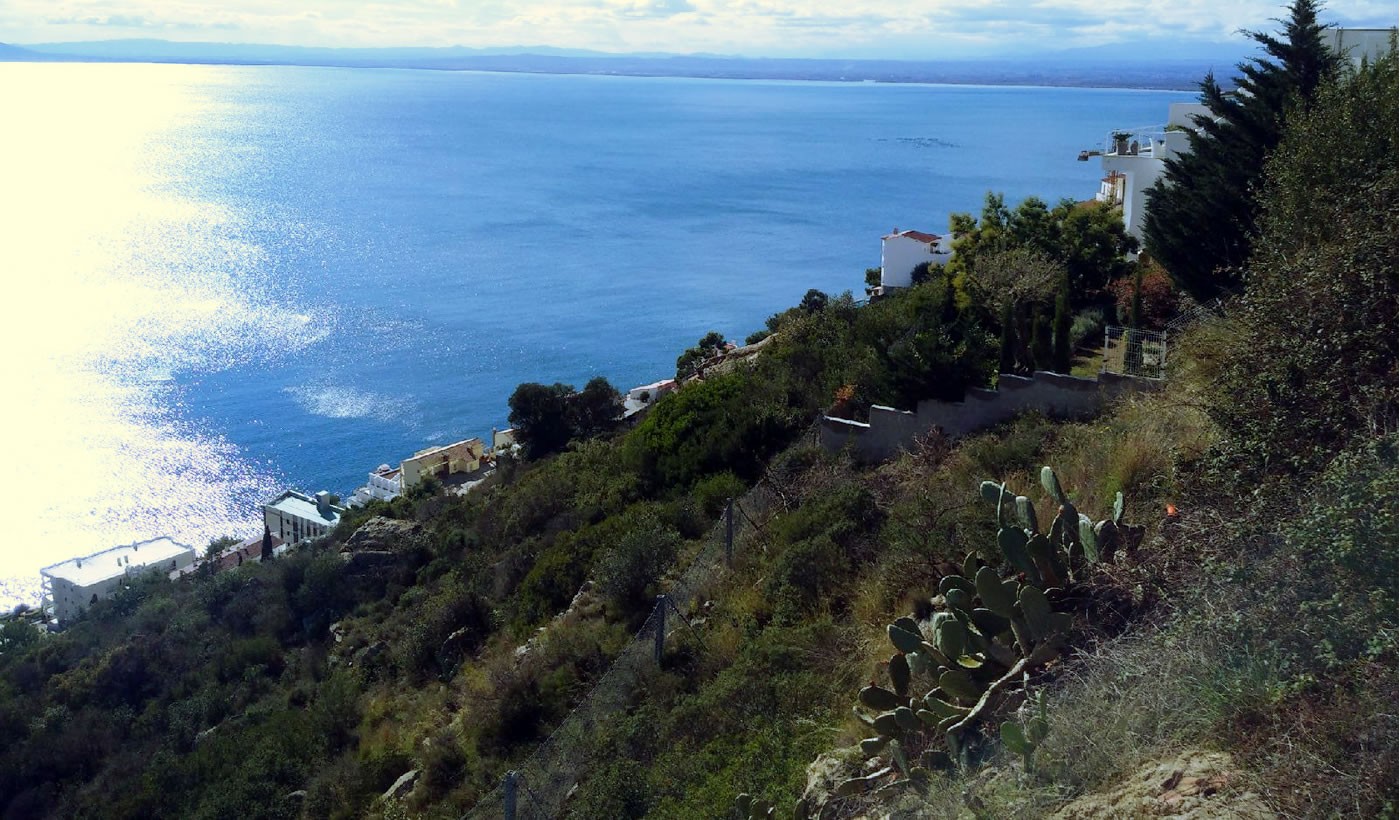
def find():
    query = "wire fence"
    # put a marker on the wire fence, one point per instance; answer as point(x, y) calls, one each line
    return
point(1192, 315)
point(541, 785)
point(1130, 352)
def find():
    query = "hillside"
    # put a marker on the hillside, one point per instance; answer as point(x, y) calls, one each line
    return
point(1227, 645)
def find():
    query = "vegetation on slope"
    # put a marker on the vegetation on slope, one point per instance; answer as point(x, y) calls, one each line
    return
point(1260, 619)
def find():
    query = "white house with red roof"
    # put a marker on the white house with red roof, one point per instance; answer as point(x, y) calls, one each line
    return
point(903, 251)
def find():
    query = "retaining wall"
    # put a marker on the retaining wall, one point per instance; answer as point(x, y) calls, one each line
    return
point(1056, 395)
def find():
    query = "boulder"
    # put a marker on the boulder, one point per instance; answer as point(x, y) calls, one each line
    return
point(454, 649)
point(370, 654)
point(826, 773)
point(380, 534)
point(368, 560)
point(402, 786)
point(1199, 785)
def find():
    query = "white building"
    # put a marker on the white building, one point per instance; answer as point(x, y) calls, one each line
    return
point(295, 517)
point(71, 586)
point(903, 251)
point(385, 484)
point(1356, 44)
point(1111, 189)
point(1135, 158)
point(646, 394)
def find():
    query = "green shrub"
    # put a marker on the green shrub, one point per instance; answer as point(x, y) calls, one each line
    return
point(627, 572)
point(713, 492)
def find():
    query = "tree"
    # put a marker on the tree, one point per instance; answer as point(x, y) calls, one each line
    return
point(710, 345)
point(1016, 277)
point(595, 409)
point(547, 418)
point(1040, 342)
point(1135, 309)
point(1201, 215)
point(1088, 240)
point(540, 415)
point(813, 302)
point(1008, 340)
point(1060, 358)
point(1314, 365)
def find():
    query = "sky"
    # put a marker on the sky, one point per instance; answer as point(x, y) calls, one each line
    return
point(895, 29)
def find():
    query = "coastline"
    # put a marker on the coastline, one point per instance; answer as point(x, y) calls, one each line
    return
point(1172, 76)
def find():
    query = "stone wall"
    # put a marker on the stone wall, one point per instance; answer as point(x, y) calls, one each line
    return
point(890, 431)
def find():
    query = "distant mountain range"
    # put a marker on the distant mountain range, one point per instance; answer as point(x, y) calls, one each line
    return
point(1111, 66)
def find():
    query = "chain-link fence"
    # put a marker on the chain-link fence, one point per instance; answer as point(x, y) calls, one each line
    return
point(539, 787)
point(1130, 352)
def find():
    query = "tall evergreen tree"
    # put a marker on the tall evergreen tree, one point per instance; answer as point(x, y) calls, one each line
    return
point(1201, 214)
point(1008, 339)
point(1060, 358)
point(1040, 341)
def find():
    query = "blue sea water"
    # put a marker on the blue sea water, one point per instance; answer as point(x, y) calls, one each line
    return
point(234, 279)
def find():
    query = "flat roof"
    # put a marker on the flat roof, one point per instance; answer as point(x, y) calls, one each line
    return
point(300, 506)
point(439, 448)
point(110, 563)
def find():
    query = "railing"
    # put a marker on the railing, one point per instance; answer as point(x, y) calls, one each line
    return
point(1145, 141)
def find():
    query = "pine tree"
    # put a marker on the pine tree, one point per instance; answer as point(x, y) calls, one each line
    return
point(1201, 214)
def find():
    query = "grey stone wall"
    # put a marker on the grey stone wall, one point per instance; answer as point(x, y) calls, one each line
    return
point(1054, 394)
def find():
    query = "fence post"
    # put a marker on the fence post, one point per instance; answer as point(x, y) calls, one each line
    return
point(660, 615)
point(729, 533)
point(509, 800)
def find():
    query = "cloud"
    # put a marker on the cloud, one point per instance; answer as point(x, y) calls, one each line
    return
point(654, 8)
point(926, 29)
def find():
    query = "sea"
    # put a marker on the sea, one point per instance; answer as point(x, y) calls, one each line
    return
point(224, 281)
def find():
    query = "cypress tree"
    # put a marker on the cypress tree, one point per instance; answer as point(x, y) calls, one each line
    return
point(1061, 363)
point(1200, 221)
point(949, 315)
point(1135, 314)
point(1040, 342)
point(1008, 339)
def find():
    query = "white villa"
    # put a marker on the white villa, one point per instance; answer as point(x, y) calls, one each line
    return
point(1134, 158)
point(385, 484)
point(903, 251)
point(295, 517)
point(1357, 44)
point(71, 586)
point(644, 395)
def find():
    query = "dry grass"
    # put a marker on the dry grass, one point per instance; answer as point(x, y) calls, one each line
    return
point(1137, 450)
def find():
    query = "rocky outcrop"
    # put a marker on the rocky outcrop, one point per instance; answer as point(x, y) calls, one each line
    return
point(823, 776)
point(402, 786)
point(391, 535)
point(1198, 785)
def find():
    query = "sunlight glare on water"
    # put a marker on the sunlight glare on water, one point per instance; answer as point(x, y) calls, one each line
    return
point(114, 283)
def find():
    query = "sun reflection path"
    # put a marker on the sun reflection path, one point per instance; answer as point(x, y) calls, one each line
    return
point(117, 280)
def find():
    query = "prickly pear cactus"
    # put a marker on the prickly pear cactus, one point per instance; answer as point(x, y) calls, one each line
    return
point(990, 632)
point(1024, 733)
point(748, 807)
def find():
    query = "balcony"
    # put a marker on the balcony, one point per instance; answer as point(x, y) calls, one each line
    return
point(1147, 141)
